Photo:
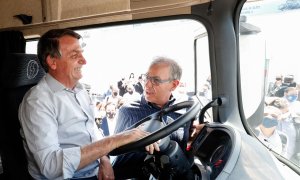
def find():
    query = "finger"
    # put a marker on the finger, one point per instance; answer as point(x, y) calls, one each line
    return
point(151, 149)
point(156, 147)
point(193, 132)
point(141, 127)
point(147, 148)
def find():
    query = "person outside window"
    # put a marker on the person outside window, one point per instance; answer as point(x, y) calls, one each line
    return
point(109, 121)
point(267, 132)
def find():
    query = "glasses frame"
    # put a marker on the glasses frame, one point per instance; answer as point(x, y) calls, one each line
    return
point(156, 80)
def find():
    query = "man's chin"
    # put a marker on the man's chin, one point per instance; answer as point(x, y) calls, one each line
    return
point(78, 76)
point(147, 97)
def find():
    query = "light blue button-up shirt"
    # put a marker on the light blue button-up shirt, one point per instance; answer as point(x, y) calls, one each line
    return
point(56, 122)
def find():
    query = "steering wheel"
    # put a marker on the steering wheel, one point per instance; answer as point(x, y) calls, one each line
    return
point(155, 125)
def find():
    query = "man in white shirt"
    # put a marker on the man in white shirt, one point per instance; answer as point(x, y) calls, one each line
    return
point(61, 138)
point(267, 132)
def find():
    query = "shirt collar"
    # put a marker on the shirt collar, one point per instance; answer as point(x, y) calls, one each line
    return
point(170, 102)
point(56, 86)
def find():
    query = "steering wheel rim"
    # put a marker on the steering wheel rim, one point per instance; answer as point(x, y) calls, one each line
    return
point(193, 108)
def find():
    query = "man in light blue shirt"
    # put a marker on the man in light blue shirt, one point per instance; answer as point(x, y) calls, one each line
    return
point(61, 138)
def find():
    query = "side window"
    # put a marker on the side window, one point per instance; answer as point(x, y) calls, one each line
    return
point(269, 54)
point(204, 88)
point(31, 47)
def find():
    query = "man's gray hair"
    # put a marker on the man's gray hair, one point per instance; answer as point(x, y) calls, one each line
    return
point(175, 69)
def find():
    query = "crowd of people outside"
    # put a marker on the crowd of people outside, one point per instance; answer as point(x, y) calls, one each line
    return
point(118, 93)
point(279, 129)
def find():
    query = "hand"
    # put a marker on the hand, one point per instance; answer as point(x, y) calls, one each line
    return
point(154, 146)
point(136, 134)
point(194, 131)
point(129, 136)
point(150, 148)
point(105, 169)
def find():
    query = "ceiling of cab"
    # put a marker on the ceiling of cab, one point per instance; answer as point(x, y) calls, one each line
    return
point(47, 14)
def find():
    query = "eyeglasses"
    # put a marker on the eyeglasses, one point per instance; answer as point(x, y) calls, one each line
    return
point(156, 80)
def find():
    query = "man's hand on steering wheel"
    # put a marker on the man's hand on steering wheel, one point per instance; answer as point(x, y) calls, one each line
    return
point(152, 147)
point(194, 131)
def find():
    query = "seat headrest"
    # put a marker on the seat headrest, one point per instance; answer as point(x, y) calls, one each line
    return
point(19, 69)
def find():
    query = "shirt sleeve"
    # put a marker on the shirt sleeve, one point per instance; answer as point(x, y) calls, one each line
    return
point(70, 161)
point(37, 116)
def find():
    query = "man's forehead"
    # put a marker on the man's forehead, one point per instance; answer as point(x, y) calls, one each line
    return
point(69, 43)
point(159, 70)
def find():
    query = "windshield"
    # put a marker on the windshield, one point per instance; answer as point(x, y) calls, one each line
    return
point(122, 53)
point(269, 55)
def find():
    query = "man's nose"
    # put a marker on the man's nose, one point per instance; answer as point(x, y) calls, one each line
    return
point(82, 60)
point(148, 83)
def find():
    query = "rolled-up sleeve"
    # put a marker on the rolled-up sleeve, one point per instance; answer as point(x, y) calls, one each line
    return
point(71, 160)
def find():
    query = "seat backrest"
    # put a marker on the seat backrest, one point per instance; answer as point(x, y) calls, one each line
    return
point(19, 73)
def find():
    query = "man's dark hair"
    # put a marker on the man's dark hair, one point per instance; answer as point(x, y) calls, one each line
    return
point(49, 44)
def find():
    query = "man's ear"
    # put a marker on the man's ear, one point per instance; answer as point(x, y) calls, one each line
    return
point(175, 83)
point(51, 61)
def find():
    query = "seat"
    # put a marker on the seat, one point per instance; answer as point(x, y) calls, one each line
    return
point(19, 72)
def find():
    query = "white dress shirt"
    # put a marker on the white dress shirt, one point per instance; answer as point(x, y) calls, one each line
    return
point(56, 122)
